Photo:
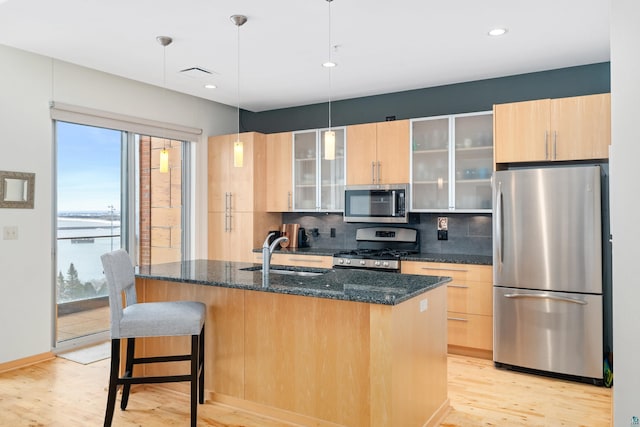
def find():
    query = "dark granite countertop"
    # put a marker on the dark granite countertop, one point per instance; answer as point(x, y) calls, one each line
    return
point(423, 256)
point(341, 284)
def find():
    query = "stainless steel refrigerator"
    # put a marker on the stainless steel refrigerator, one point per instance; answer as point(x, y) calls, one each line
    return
point(547, 274)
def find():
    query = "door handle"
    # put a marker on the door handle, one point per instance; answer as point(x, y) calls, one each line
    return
point(289, 200)
point(499, 226)
point(458, 319)
point(373, 172)
point(546, 145)
point(458, 286)
point(551, 297)
point(555, 144)
point(378, 172)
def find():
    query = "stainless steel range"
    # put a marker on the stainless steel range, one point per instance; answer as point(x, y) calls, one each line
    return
point(379, 248)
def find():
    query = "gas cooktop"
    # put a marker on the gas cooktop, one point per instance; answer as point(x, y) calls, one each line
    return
point(379, 248)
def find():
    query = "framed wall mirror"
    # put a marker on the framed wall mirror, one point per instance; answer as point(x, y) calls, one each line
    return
point(16, 189)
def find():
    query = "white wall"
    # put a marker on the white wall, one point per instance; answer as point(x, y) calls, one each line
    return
point(625, 207)
point(27, 83)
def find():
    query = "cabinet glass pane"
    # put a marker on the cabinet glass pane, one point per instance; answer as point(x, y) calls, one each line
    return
point(305, 189)
point(332, 174)
point(430, 157)
point(473, 161)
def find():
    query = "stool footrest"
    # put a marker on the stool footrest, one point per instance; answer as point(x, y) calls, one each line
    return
point(159, 359)
point(154, 380)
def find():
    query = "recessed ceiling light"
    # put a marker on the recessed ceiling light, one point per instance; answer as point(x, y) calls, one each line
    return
point(329, 64)
point(497, 32)
point(210, 86)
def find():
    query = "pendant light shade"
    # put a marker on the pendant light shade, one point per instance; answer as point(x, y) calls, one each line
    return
point(238, 154)
point(238, 146)
point(329, 145)
point(164, 42)
point(164, 160)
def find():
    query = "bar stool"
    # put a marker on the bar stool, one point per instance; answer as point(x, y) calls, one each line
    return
point(155, 319)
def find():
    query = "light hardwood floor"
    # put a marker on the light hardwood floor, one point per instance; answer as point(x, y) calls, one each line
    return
point(63, 393)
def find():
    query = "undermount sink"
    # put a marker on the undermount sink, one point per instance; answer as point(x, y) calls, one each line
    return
point(285, 271)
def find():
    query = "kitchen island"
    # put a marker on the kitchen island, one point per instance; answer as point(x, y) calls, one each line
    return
point(342, 348)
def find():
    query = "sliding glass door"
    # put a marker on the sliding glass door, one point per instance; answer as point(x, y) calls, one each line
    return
point(89, 217)
point(111, 193)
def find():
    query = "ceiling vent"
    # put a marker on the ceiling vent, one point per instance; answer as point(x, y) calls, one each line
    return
point(196, 73)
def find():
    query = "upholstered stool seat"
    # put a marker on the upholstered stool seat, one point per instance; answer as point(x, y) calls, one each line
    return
point(131, 320)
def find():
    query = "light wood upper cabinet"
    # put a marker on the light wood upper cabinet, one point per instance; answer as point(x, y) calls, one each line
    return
point(581, 127)
point(573, 128)
point(234, 186)
point(278, 179)
point(378, 153)
point(521, 131)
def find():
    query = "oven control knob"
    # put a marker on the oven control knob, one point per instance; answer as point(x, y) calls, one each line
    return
point(377, 263)
point(386, 263)
point(362, 262)
point(347, 261)
point(340, 261)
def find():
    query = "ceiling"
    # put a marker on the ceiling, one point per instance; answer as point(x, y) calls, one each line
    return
point(382, 46)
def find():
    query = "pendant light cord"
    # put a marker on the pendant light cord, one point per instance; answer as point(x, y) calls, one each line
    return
point(238, 80)
point(331, 67)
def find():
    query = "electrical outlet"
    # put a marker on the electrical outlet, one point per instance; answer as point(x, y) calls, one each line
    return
point(10, 232)
point(424, 305)
point(333, 232)
point(443, 228)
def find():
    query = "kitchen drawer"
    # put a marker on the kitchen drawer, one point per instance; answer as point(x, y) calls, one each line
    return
point(471, 297)
point(459, 272)
point(297, 260)
point(470, 330)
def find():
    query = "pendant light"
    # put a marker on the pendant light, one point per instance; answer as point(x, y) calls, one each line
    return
point(329, 135)
point(164, 153)
point(238, 148)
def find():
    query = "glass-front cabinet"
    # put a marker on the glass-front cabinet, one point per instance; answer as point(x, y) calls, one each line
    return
point(452, 163)
point(318, 171)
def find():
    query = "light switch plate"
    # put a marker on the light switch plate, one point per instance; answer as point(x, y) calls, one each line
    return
point(10, 232)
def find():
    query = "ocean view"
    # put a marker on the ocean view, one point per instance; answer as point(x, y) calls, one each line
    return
point(81, 241)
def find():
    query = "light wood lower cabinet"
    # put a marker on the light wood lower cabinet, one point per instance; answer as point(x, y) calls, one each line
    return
point(297, 260)
point(469, 305)
point(314, 361)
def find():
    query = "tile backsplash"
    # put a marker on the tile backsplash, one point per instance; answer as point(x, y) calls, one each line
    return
point(469, 234)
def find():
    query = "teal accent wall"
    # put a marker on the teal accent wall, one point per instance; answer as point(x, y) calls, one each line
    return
point(434, 101)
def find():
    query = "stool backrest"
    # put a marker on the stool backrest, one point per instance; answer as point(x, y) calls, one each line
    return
point(119, 272)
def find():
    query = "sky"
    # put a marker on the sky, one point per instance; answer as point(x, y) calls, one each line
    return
point(88, 164)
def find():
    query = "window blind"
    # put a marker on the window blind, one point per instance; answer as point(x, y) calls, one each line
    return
point(109, 120)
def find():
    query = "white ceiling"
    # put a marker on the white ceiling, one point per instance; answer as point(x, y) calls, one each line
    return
point(384, 46)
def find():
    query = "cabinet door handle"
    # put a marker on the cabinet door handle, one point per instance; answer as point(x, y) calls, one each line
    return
point(378, 172)
point(546, 145)
point(373, 172)
point(458, 319)
point(305, 259)
point(458, 286)
point(555, 144)
point(446, 269)
point(289, 200)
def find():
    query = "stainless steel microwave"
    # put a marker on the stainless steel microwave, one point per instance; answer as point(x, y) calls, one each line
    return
point(376, 203)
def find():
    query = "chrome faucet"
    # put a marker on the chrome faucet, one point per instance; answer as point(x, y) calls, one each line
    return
point(266, 256)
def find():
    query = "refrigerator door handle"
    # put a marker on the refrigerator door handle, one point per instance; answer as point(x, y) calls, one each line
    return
point(499, 225)
point(542, 296)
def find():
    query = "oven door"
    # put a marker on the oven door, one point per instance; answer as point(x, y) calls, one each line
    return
point(375, 204)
